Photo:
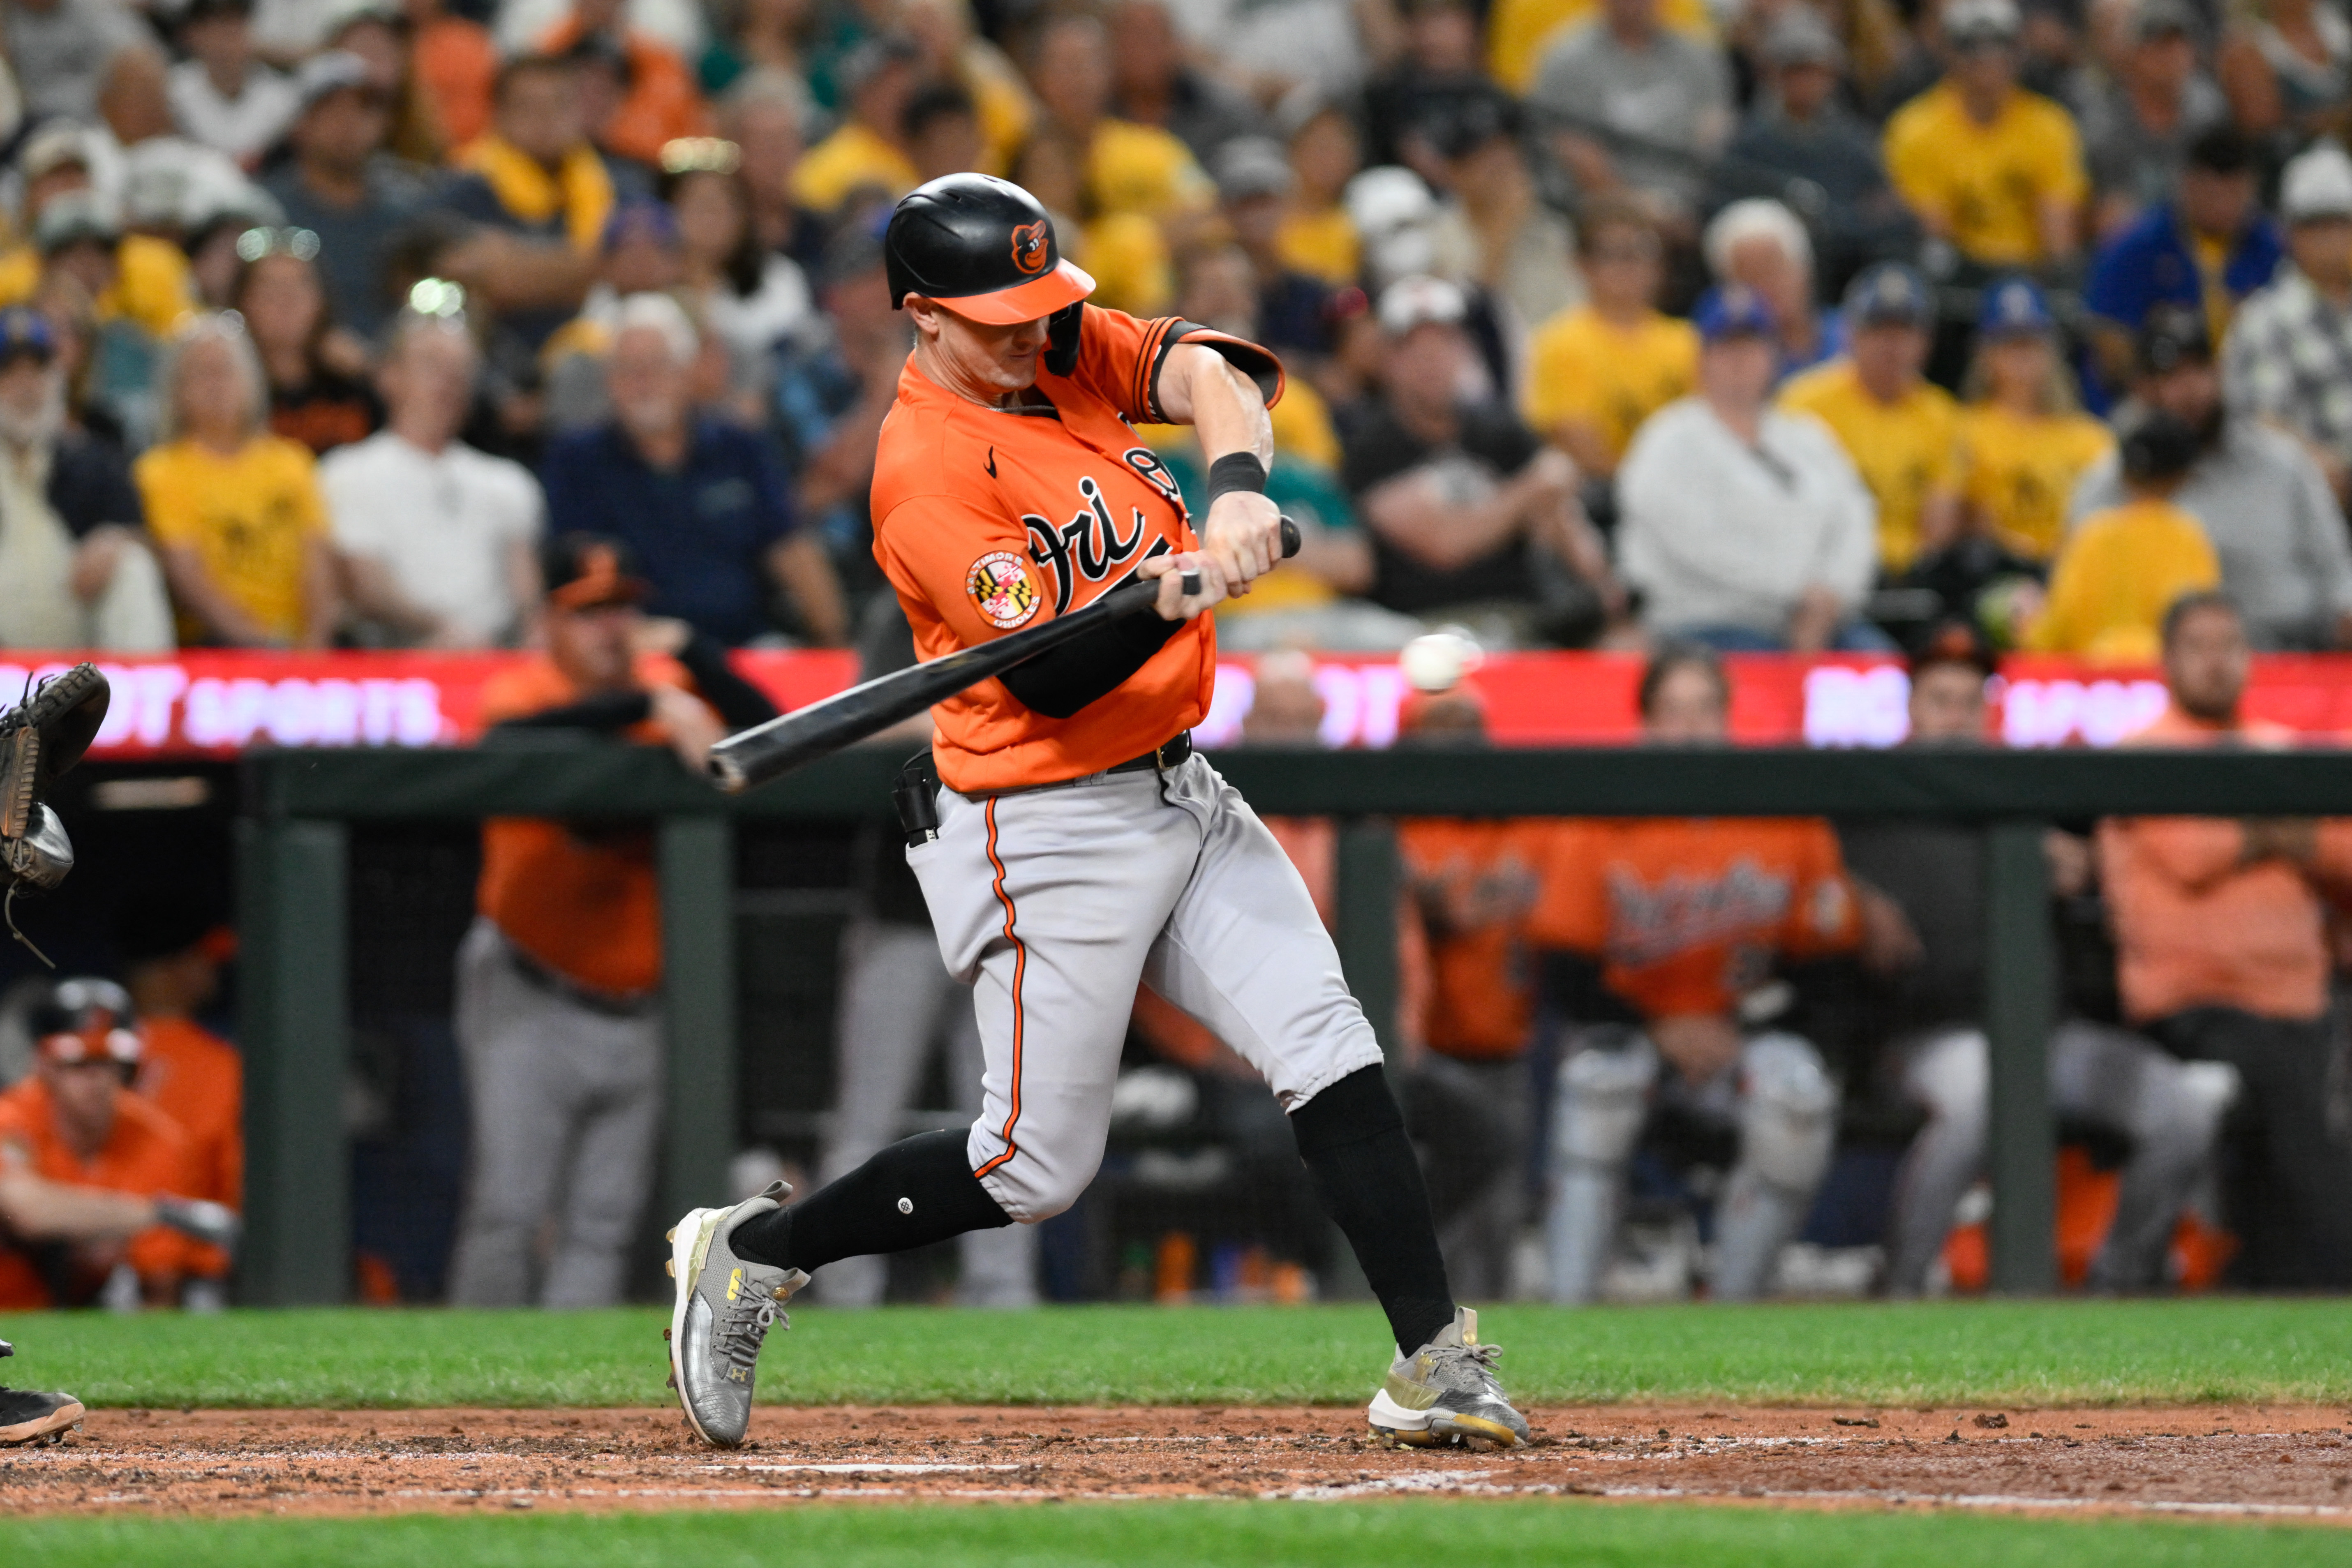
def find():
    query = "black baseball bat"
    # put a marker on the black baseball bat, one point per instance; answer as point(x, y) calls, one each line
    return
point(767, 751)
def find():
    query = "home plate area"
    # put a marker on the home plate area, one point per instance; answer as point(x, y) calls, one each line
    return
point(2282, 1461)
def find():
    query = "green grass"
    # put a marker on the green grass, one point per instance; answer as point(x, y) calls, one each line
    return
point(2070, 1353)
point(1148, 1535)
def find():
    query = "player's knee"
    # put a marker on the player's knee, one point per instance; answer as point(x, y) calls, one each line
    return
point(1787, 1122)
point(1032, 1190)
point(1603, 1095)
point(1951, 1075)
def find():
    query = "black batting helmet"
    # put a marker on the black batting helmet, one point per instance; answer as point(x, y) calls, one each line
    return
point(86, 1020)
point(982, 246)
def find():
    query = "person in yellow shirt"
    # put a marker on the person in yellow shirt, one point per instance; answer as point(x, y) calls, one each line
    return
point(1597, 371)
point(2121, 569)
point(147, 280)
point(868, 150)
point(236, 510)
point(1902, 431)
point(2024, 440)
point(1984, 164)
point(1317, 237)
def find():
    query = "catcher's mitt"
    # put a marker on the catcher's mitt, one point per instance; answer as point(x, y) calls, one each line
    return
point(40, 739)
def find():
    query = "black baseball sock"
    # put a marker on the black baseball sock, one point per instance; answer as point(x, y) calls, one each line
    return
point(916, 1192)
point(1369, 1180)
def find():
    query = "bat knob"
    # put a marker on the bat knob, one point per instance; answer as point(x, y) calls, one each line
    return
point(1190, 582)
point(1289, 539)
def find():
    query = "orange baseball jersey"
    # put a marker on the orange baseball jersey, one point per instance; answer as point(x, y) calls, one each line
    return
point(585, 905)
point(987, 519)
point(146, 1155)
point(198, 1079)
point(1473, 884)
point(1687, 914)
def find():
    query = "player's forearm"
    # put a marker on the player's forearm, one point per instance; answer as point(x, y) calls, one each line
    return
point(38, 1209)
point(1198, 386)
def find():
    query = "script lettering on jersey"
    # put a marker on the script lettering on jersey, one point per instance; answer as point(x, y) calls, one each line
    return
point(1648, 923)
point(1154, 472)
point(1089, 548)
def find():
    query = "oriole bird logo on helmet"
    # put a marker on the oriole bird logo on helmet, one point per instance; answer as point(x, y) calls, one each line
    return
point(1029, 252)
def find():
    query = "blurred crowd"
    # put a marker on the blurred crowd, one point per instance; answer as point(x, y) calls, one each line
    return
point(1773, 324)
point(1931, 329)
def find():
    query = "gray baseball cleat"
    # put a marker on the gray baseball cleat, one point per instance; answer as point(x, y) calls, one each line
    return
point(30, 1418)
point(726, 1305)
point(1446, 1392)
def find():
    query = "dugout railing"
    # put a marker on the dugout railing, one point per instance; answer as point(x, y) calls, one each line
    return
point(298, 806)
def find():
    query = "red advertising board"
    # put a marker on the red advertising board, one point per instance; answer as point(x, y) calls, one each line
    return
point(218, 703)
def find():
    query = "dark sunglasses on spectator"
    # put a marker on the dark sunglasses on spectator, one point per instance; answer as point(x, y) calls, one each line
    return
point(298, 243)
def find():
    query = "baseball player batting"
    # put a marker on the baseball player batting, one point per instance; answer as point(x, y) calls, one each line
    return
point(1071, 843)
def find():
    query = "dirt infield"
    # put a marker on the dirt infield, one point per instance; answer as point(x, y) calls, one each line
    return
point(2283, 1461)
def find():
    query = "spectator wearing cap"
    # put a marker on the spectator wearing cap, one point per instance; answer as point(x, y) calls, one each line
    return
point(1596, 372)
point(2288, 358)
point(2286, 65)
point(1798, 129)
point(172, 952)
point(166, 177)
point(438, 541)
point(1123, 168)
point(146, 278)
point(2222, 954)
point(1745, 526)
point(868, 150)
point(236, 509)
point(2262, 501)
point(1760, 246)
point(57, 50)
point(1326, 150)
point(559, 1001)
point(89, 1171)
point(1642, 106)
point(1253, 187)
point(2123, 567)
point(2205, 249)
point(541, 195)
point(1901, 430)
point(701, 503)
point(663, 100)
point(2024, 439)
point(1470, 513)
point(380, 33)
point(221, 95)
point(2139, 123)
point(342, 186)
point(74, 552)
point(1523, 254)
point(1154, 83)
point(1990, 168)
point(318, 393)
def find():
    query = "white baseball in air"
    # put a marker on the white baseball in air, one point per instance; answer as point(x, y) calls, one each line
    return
point(1436, 661)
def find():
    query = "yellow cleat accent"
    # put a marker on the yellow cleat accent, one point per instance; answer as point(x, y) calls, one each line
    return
point(670, 1235)
point(669, 1267)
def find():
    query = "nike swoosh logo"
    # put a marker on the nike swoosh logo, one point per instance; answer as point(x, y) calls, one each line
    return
point(992, 462)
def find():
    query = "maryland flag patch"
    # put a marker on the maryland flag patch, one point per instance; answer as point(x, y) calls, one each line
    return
point(1000, 589)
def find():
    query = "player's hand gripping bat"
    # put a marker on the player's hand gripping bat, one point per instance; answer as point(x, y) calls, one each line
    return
point(766, 751)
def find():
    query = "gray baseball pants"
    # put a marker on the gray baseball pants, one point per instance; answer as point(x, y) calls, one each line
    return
point(1052, 903)
point(566, 1101)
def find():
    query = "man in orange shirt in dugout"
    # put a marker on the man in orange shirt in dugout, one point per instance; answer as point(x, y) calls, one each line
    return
point(2222, 936)
point(93, 1178)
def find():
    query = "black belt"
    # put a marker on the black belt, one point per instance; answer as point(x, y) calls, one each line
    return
point(1161, 758)
point(608, 1003)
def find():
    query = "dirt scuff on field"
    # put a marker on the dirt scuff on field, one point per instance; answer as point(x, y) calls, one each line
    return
point(2274, 1461)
